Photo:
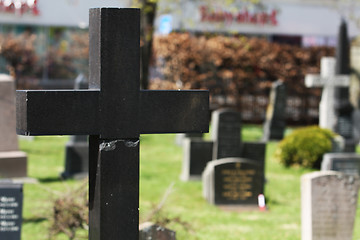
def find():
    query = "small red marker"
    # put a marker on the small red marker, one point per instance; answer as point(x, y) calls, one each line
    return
point(261, 202)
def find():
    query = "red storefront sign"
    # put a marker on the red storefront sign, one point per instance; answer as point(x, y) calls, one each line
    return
point(243, 16)
point(20, 7)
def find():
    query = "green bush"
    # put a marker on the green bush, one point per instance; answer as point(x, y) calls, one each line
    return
point(305, 147)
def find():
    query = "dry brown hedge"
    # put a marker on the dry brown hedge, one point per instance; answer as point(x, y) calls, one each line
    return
point(232, 65)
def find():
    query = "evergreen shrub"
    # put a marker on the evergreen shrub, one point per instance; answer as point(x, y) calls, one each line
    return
point(305, 147)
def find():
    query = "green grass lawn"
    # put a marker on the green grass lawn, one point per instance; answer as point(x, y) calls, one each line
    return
point(184, 208)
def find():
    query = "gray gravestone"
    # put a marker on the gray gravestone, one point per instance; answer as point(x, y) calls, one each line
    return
point(348, 163)
point(77, 149)
point(233, 181)
point(151, 231)
point(328, 205)
point(11, 202)
point(275, 124)
point(196, 154)
point(226, 133)
point(13, 163)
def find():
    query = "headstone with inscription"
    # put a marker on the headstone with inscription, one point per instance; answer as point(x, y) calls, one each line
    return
point(275, 124)
point(348, 163)
point(153, 231)
point(226, 143)
point(233, 181)
point(77, 149)
point(328, 205)
point(196, 154)
point(11, 202)
point(13, 163)
point(114, 112)
point(226, 133)
point(235, 177)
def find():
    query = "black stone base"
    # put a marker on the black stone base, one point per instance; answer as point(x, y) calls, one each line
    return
point(76, 161)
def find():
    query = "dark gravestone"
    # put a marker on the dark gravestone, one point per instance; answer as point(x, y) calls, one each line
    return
point(76, 158)
point(150, 231)
point(114, 112)
point(11, 202)
point(233, 181)
point(343, 107)
point(226, 133)
point(246, 160)
point(197, 153)
point(348, 163)
point(255, 151)
point(77, 149)
point(275, 124)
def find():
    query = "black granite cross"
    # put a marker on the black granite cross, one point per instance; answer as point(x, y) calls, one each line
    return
point(114, 112)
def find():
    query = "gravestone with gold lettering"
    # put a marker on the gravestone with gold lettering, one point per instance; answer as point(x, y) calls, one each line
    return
point(233, 181)
point(225, 143)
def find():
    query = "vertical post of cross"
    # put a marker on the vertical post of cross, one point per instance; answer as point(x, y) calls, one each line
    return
point(115, 69)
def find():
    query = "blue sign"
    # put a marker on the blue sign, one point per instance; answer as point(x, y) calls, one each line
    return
point(165, 26)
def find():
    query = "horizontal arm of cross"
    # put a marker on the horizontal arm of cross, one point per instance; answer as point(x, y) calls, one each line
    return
point(315, 80)
point(77, 112)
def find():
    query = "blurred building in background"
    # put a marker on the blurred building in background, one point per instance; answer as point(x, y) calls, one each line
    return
point(44, 42)
point(299, 22)
point(49, 38)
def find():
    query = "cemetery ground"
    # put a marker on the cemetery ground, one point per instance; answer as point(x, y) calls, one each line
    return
point(164, 198)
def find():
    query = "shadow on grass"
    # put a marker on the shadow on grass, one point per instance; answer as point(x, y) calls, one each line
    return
point(34, 220)
point(271, 202)
point(50, 179)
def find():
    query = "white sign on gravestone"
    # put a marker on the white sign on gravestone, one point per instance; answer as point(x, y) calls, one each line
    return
point(328, 205)
point(329, 81)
